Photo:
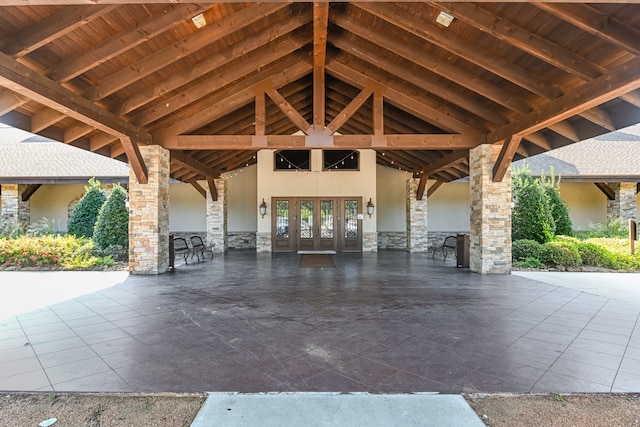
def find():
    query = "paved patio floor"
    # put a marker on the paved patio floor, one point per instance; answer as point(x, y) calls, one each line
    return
point(383, 323)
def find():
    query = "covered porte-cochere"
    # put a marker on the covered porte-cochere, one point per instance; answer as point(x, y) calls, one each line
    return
point(192, 91)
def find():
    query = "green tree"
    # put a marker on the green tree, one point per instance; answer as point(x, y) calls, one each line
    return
point(112, 227)
point(84, 215)
point(559, 209)
point(531, 216)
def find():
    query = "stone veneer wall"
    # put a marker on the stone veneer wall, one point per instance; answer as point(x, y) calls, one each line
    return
point(436, 238)
point(15, 212)
point(624, 205)
point(416, 219)
point(392, 240)
point(369, 242)
point(490, 250)
point(241, 239)
point(217, 218)
point(149, 214)
point(263, 242)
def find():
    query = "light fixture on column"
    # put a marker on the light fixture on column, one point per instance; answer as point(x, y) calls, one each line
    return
point(445, 19)
point(263, 208)
point(370, 208)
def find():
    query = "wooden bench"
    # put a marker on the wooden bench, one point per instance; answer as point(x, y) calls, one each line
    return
point(198, 247)
point(181, 248)
point(449, 246)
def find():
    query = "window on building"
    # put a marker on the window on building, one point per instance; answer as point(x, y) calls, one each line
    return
point(292, 160)
point(341, 160)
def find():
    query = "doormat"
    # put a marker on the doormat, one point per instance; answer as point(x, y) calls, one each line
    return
point(316, 261)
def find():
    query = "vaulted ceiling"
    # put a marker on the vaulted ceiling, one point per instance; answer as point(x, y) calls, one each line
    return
point(113, 75)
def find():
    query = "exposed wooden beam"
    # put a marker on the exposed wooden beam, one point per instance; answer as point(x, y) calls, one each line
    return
point(393, 142)
point(199, 189)
point(45, 118)
point(193, 164)
point(378, 113)
point(24, 80)
point(10, 100)
point(212, 188)
point(461, 47)
point(433, 188)
point(76, 131)
point(622, 79)
point(175, 51)
point(136, 162)
point(600, 24)
point(101, 140)
point(286, 107)
point(445, 161)
point(422, 185)
point(509, 148)
point(320, 25)
point(263, 48)
point(353, 106)
point(260, 112)
point(122, 41)
point(398, 94)
point(30, 191)
point(52, 27)
point(606, 190)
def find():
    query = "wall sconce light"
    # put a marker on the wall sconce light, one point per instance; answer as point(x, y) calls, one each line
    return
point(263, 209)
point(370, 208)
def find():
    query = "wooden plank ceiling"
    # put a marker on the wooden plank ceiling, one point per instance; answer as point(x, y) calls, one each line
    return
point(110, 76)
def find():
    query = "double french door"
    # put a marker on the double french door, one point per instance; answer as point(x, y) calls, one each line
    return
point(316, 223)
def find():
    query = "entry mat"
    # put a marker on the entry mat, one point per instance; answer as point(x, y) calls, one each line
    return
point(316, 261)
point(336, 409)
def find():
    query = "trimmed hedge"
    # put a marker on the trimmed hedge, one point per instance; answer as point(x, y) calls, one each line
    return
point(112, 227)
point(523, 249)
point(560, 253)
point(84, 216)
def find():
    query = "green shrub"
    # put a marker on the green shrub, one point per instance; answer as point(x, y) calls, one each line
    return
point(522, 249)
point(559, 212)
point(44, 227)
point(614, 227)
point(529, 262)
point(84, 216)
point(560, 253)
point(112, 227)
point(595, 255)
point(11, 231)
point(531, 217)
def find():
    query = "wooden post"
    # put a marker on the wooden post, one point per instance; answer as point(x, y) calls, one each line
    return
point(632, 236)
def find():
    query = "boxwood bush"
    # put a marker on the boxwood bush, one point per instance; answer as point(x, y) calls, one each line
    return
point(524, 248)
point(561, 253)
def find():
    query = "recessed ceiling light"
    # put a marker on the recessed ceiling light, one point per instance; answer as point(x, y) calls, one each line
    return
point(444, 19)
point(199, 20)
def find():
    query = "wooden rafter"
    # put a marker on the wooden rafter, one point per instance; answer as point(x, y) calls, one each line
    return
point(136, 162)
point(30, 191)
point(422, 185)
point(10, 100)
point(199, 189)
point(45, 118)
point(621, 80)
point(212, 188)
point(509, 148)
point(50, 28)
point(606, 190)
point(22, 79)
point(193, 164)
point(353, 106)
point(445, 161)
point(320, 25)
point(433, 188)
point(77, 131)
point(285, 106)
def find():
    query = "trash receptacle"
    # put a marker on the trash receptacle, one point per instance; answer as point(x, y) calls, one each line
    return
point(172, 254)
point(462, 251)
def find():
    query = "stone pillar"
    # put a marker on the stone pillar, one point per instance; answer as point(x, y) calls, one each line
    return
point(217, 218)
point(15, 212)
point(149, 214)
point(624, 205)
point(490, 251)
point(417, 240)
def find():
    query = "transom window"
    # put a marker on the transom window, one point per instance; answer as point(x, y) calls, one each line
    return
point(341, 160)
point(292, 160)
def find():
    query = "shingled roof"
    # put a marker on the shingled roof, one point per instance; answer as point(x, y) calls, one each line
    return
point(612, 157)
point(31, 159)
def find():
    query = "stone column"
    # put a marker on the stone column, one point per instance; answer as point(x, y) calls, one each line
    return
point(217, 218)
point(15, 212)
point(149, 215)
point(490, 251)
point(624, 205)
point(417, 240)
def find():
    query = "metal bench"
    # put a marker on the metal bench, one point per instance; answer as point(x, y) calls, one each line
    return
point(181, 248)
point(198, 247)
point(449, 246)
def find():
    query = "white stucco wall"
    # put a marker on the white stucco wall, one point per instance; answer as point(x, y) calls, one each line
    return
point(317, 183)
point(391, 195)
point(187, 209)
point(448, 208)
point(51, 201)
point(242, 196)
